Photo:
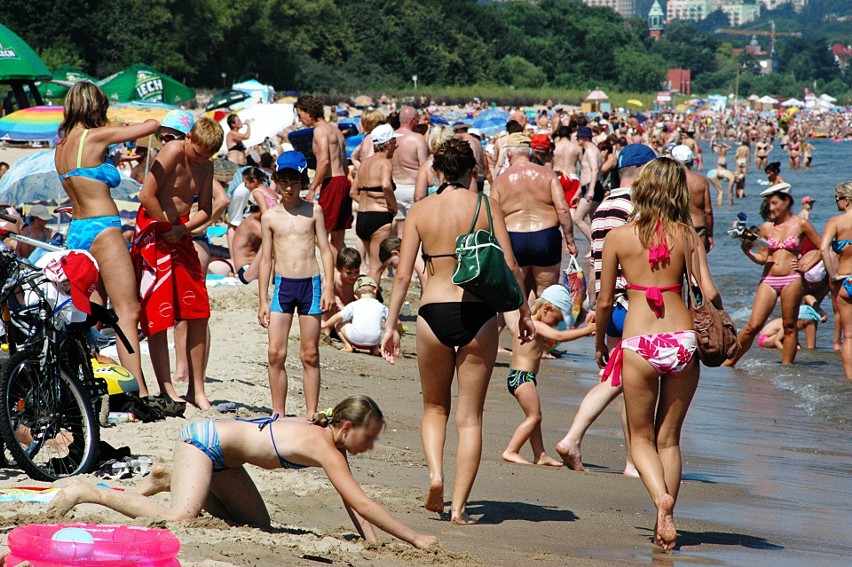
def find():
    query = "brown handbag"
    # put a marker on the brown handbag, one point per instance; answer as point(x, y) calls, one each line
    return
point(714, 330)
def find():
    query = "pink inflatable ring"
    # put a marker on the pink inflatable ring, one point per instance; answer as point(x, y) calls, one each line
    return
point(92, 544)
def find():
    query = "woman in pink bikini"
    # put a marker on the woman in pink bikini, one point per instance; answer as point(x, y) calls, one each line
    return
point(782, 272)
point(657, 359)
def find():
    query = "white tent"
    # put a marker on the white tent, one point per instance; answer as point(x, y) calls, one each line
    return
point(260, 93)
point(827, 98)
point(793, 102)
point(267, 120)
point(767, 100)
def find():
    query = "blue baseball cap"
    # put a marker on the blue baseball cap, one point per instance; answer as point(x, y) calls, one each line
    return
point(179, 120)
point(560, 297)
point(291, 160)
point(584, 132)
point(635, 154)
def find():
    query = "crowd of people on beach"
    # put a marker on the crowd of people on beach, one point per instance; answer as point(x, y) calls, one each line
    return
point(410, 189)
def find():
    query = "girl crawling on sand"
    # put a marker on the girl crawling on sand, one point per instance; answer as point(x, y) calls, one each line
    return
point(208, 471)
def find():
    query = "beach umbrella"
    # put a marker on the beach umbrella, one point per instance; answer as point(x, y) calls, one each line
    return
point(257, 91)
point(438, 120)
point(767, 100)
point(793, 102)
point(33, 178)
point(362, 101)
point(597, 95)
point(18, 61)
point(352, 143)
point(138, 111)
point(490, 125)
point(34, 124)
point(635, 102)
point(226, 98)
point(140, 82)
point(63, 78)
point(267, 121)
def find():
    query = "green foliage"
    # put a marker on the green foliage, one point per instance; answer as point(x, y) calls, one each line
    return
point(345, 46)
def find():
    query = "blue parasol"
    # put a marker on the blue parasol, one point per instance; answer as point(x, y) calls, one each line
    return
point(438, 120)
point(34, 178)
point(490, 125)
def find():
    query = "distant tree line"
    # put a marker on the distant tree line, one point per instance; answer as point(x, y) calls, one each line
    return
point(342, 46)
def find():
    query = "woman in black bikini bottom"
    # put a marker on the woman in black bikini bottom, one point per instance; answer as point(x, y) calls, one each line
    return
point(456, 332)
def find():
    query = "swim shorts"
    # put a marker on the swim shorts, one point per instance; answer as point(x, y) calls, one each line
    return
point(336, 203)
point(541, 248)
point(518, 378)
point(616, 321)
point(297, 294)
point(404, 194)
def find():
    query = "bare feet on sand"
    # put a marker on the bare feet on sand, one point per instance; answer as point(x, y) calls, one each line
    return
point(462, 519)
point(571, 456)
point(547, 461)
point(435, 498)
point(665, 533)
point(516, 458)
point(630, 470)
point(200, 402)
point(160, 480)
point(68, 496)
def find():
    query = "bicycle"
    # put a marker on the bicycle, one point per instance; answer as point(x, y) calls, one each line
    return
point(49, 395)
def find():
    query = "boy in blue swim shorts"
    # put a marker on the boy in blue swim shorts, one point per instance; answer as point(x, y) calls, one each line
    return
point(290, 235)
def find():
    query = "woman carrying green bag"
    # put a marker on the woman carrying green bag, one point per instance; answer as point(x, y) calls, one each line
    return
point(456, 330)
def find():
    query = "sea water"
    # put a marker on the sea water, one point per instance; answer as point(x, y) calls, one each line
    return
point(782, 433)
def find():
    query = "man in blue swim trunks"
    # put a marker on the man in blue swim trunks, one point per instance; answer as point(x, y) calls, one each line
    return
point(290, 235)
point(612, 213)
point(534, 207)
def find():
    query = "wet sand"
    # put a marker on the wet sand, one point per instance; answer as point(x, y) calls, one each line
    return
point(526, 514)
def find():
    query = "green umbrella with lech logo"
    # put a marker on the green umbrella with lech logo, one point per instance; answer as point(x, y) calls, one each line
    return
point(63, 78)
point(18, 61)
point(140, 82)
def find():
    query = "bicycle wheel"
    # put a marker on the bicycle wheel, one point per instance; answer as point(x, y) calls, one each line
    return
point(50, 429)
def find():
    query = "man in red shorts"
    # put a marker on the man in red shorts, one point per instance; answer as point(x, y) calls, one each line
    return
point(330, 178)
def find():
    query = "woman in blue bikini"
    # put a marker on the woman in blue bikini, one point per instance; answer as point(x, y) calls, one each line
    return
point(782, 272)
point(837, 238)
point(209, 473)
point(87, 175)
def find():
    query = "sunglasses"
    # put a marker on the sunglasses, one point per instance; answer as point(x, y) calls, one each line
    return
point(838, 198)
point(168, 137)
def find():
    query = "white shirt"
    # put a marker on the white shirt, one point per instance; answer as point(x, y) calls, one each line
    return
point(368, 317)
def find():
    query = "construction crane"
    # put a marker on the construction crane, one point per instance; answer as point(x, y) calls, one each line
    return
point(754, 33)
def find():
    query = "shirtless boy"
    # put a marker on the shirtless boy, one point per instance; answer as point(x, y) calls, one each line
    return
point(245, 248)
point(291, 232)
point(175, 290)
point(330, 178)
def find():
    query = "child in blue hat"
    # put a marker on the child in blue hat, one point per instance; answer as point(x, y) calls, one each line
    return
point(547, 312)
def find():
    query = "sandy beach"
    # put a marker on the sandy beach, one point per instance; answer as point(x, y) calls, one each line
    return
point(526, 514)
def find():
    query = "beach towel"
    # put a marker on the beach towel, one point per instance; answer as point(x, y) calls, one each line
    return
point(171, 281)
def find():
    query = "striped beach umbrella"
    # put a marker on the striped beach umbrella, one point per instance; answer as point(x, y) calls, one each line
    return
point(34, 124)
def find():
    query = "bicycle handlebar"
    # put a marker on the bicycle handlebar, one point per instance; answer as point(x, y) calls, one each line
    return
point(9, 218)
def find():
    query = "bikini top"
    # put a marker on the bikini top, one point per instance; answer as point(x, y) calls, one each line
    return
point(658, 255)
point(838, 245)
point(429, 257)
point(791, 244)
point(377, 189)
point(238, 147)
point(271, 202)
point(106, 173)
point(263, 422)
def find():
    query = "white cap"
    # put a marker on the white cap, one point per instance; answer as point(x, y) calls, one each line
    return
point(475, 132)
point(777, 188)
point(682, 153)
point(383, 133)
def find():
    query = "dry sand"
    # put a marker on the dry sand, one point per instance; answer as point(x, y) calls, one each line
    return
point(527, 514)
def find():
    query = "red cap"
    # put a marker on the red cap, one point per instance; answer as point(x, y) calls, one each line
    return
point(83, 275)
point(540, 142)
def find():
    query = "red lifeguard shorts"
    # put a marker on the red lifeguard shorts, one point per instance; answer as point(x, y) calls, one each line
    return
point(336, 203)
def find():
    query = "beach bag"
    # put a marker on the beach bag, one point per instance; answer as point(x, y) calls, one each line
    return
point(481, 266)
point(714, 330)
point(574, 281)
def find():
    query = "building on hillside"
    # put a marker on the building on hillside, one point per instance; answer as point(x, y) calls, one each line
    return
point(739, 12)
point(774, 4)
point(680, 80)
point(627, 8)
point(765, 60)
point(695, 10)
point(656, 19)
